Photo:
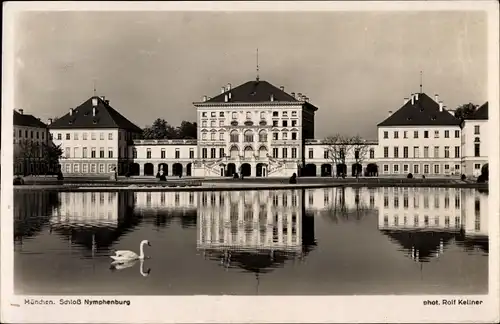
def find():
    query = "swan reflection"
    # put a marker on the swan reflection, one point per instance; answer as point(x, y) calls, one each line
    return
point(120, 265)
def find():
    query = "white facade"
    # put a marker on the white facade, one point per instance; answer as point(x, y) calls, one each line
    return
point(475, 145)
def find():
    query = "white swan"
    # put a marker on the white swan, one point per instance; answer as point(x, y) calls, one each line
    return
point(125, 255)
point(120, 265)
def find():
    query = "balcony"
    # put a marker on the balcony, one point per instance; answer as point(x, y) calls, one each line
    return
point(165, 142)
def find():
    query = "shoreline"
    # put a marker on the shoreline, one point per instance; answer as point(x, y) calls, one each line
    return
point(240, 185)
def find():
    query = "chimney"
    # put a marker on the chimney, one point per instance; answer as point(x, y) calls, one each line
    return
point(226, 98)
point(21, 111)
point(282, 88)
point(406, 100)
point(95, 101)
point(106, 102)
point(293, 94)
point(412, 99)
point(306, 99)
point(93, 111)
point(299, 96)
point(228, 86)
point(50, 121)
point(272, 97)
point(416, 96)
point(222, 90)
point(230, 96)
point(71, 111)
point(436, 97)
point(103, 98)
point(440, 106)
point(204, 98)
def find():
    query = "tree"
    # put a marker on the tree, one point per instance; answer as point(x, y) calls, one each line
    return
point(160, 129)
point(338, 147)
point(27, 154)
point(360, 149)
point(465, 111)
point(50, 156)
point(187, 130)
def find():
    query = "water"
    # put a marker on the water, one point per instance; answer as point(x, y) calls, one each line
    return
point(290, 242)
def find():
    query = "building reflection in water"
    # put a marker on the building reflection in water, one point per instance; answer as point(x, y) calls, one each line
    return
point(163, 207)
point(256, 231)
point(32, 212)
point(93, 220)
point(423, 221)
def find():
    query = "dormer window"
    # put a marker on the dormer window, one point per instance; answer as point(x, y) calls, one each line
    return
point(275, 114)
point(433, 117)
point(94, 121)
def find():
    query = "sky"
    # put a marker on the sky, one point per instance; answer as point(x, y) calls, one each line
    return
point(354, 66)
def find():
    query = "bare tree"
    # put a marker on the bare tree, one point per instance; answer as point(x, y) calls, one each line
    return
point(338, 148)
point(361, 150)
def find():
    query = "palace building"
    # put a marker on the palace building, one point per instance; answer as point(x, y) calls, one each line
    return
point(257, 129)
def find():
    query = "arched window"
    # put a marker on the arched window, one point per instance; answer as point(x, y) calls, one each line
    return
point(234, 152)
point(204, 136)
point(248, 152)
point(234, 137)
point(212, 136)
point(248, 136)
point(262, 136)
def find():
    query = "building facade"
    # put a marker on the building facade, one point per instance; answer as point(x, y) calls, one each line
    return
point(30, 137)
point(258, 130)
point(475, 141)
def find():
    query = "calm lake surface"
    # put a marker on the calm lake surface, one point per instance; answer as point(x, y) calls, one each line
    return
point(270, 242)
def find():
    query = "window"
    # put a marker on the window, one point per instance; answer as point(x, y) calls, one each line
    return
point(233, 115)
point(436, 134)
point(92, 136)
point(84, 136)
point(386, 151)
point(234, 137)
point(221, 152)
point(221, 136)
point(436, 168)
point(221, 123)
point(68, 168)
point(110, 153)
point(213, 151)
point(275, 136)
point(101, 136)
point(325, 154)
point(396, 152)
point(294, 136)
point(405, 168)
point(372, 153)
point(426, 151)
point(248, 136)
point(457, 134)
point(85, 168)
point(447, 152)
point(436, 151)
point(84, 152)
point(356, 154)
point(294, 114)
point(457, 167)
point(110, 136)
point(285, 135)
point(426, 168)
point(386, 168)
point(101, 152)
point(134, 153)
point(477, 150)
point(203, 114)
point(447, 167)
point(275, 123)
point(294, 153)
point(415, 134)
point(92, 153)
point(294, 123)
point(311, 154)
point(476, 130)
point(76, 152)
point(204, 153)
point(405, 134)
point(178, 154)
point(262, 136)
point(396, 168)
point(68, 136)
point(415, 168)
point(249, 115)
point(446, 134)
point(386, 134)
point(204, 124)
point(426, 134)
point(212, 114)
point(457, 151)
point(212, 123)
point(75, 136)
point(396, 134)
point(221, 114)
point(285, 123)
point(212, 136)
point(148, 153)
point(101, 168)
point(275, 153)
point(416, 152)
point(285, 152)
point(405, 152)
point(191, 154)
point(163, 153)
point(285, 114)
point(275, 114)
point(262, 115)
point(67, 152)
